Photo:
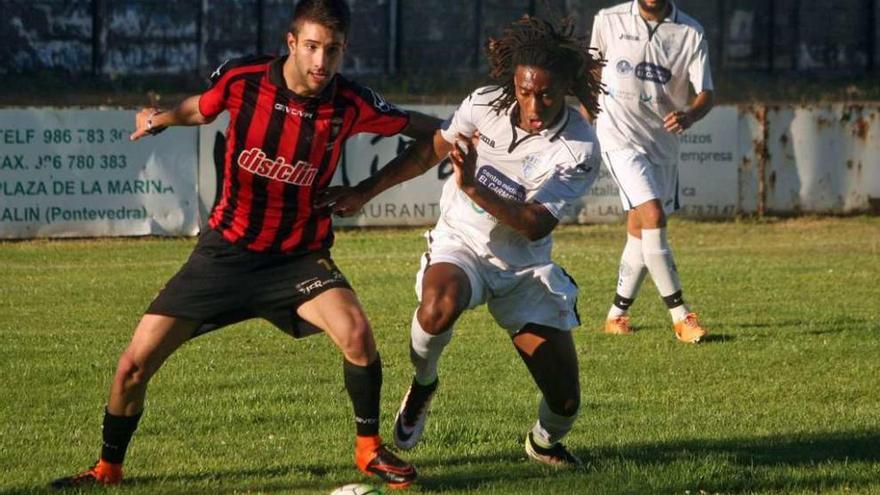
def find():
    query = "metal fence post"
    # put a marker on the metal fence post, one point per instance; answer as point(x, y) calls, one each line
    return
point(98, 36)
point(393, 56)
point(478, 29)
point(771, 37)
point(871, 47)
point(200, 25)
point(796, 34)
point(260, 25)
point(722, 7)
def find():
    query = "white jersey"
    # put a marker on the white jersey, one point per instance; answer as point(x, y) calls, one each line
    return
point(646, 76)
point(553, 167)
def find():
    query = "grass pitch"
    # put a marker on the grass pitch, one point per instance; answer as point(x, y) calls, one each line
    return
point(783, 398)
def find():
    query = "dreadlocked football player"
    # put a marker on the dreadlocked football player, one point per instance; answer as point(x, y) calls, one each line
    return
point(657, 51)
point(520, 154)
point(266, 253)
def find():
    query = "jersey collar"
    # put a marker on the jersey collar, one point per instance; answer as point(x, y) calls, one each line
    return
point(519, 135)
point(276, 77)
point(673, 14)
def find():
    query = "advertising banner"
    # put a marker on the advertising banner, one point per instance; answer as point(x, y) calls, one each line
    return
point(72, 173)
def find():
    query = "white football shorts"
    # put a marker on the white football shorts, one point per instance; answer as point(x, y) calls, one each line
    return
point(543, 294)
point(641, 180)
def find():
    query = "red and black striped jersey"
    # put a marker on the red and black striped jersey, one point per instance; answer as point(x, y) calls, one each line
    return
point(282, 149)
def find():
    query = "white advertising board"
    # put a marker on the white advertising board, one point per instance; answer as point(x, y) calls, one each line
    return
point(707, 169)
point(71, 173)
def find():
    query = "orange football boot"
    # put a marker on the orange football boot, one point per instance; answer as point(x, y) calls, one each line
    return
point(372, 458)
point(689, 330)
point(618, 326)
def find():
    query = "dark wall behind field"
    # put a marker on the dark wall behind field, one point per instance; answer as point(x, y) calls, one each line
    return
point(111, 38)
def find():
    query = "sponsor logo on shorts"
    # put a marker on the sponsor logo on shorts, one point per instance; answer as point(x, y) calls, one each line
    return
point(315, 283)
point(254, 160)
point(647, 71)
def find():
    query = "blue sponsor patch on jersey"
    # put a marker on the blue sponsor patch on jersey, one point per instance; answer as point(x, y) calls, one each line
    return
point(500, 184)
point(647, 71)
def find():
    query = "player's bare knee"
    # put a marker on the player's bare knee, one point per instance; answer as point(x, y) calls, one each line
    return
point(130, 373)
point(357, 341)
point(437, 314)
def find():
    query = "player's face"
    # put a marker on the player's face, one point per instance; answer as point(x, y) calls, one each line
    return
point(541, 97)
point(316, 52)
point(653, 6)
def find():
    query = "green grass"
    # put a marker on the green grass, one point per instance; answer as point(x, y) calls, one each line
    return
point(783, 398)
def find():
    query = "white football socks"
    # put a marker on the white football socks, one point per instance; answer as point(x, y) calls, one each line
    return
point(425, 351)
point(658, 259)
point(550, 427)
point(629, 279)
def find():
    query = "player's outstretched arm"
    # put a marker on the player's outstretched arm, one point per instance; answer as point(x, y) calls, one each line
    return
point(417, 159)
point(681, 120)
point(530, 219)
point(421, 125)
point(151, 120)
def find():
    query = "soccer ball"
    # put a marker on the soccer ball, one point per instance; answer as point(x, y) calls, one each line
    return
point(358, 489)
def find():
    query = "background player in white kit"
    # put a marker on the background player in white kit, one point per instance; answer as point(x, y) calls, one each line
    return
point(653, 50)
point(521, 156)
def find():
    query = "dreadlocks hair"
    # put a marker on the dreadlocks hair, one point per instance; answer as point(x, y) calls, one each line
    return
point(535, 42)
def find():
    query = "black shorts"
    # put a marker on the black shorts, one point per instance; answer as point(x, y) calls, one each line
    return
point(221, 284)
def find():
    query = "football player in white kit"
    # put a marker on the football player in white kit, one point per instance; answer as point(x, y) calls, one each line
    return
point(653, 50)
point(520, 154)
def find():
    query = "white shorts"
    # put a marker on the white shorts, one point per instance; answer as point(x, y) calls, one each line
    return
point(640, 180)
point(542, 294)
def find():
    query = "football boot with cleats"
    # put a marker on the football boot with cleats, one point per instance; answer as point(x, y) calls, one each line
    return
point(373, 459)
point(102, 473)
point(556, 455)
point(413, 413)
point(689, 330)
point(618, 326)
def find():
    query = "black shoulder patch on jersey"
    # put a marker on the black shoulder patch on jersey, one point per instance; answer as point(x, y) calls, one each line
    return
point(238, 62)
point(371, 97)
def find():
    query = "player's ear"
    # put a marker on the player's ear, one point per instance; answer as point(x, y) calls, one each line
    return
point(291, 42)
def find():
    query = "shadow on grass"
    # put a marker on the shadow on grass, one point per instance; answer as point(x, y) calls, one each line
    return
point(799, 327)
point(737, 465)
point(717, 338)
point(734, 466)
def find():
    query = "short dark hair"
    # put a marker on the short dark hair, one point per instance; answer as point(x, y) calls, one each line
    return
point(332, 14)
point(535, 42)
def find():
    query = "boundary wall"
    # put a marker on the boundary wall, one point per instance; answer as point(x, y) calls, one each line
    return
point(74, 173)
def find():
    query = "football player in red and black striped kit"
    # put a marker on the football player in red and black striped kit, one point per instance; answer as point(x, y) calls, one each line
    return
point(266, 253)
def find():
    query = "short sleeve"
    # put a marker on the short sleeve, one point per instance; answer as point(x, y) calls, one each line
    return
point(596, 40)
point(213, 101)
point(377, 116)
point(568, 184)
point(461, 122)
point(698, 71)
